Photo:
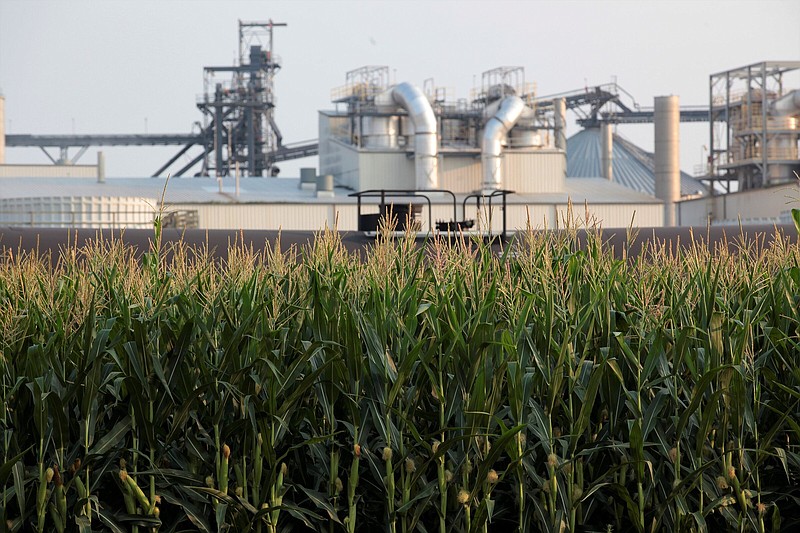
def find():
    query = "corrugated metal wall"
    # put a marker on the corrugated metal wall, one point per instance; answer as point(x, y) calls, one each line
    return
point(460, 173)
point(756, 205)
point(385, 170)
point(534, 172)
point(314, 217)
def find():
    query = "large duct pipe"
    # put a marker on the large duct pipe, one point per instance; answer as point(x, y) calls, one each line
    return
point(426, 144)
point(607, 151)
point(788, 104)
point(667, 154)
point(561, 123)
point(494, 132)
point(2, 129)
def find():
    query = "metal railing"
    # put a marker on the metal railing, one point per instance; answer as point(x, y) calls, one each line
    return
point(73, 219)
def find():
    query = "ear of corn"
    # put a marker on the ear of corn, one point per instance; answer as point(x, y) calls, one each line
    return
point(551, 387)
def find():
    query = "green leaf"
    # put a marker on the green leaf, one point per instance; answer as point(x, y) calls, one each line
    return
point(110, 439)
point(582, 422)
point(321, 501)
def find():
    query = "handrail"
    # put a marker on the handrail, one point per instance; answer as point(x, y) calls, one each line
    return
point(479, 196)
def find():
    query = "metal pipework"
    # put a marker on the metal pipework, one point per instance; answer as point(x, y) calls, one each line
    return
point(494, 132)
point(788, 104)
point(426, 144)
point(667, 154)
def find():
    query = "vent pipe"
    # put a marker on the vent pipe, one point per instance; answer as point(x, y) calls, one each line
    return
point(561, 124)
point(426, 144)
point(607, 151)
point(2, 129)
point(788, 104)
point(667, 154)
point(494, 132)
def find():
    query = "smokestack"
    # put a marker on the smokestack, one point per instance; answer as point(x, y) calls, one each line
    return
point(561, 123)
point(607, 151)
point(667, 155)
point(2, 128)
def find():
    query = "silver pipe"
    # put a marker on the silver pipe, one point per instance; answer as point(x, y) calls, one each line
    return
point(606, 151)
point(494, 132)
point(789, 104)
point(667, 154)
point(561, 124)
point(426, 144)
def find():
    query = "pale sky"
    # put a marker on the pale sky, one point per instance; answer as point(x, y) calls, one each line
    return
point(119, 66)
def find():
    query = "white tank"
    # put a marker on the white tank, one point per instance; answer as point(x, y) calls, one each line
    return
point(525, 138)
point(79, 211)
point(380, 132)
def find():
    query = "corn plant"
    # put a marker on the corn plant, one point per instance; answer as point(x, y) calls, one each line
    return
point(557, 385)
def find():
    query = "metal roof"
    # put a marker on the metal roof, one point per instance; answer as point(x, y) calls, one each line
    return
point(633, 166)
point(279, 190)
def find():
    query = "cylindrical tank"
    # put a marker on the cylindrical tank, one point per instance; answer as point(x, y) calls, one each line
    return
point(524, 138)
point(380, 132)
point(667, 154)
point(606, 151)
point(325, 186)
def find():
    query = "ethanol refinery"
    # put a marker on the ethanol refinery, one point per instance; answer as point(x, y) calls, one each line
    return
point(494, 161)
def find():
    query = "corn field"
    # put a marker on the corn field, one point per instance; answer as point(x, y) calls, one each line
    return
point(550, 387)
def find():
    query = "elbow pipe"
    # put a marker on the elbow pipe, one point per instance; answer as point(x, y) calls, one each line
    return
point(494, 132)
point(426, 145)
point(788, 104)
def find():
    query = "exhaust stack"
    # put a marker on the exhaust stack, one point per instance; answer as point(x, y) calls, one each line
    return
point(494, 132)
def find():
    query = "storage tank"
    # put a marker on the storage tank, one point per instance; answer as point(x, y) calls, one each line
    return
point(380, 132)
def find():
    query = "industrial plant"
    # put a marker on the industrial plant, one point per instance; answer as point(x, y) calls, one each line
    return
point(494, 161)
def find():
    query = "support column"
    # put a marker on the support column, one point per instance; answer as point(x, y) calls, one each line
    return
point(667, 155)
point(607, 151)
point(561, 124)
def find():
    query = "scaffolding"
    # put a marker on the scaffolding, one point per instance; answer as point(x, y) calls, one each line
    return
point(752, 142)
point(239, 109)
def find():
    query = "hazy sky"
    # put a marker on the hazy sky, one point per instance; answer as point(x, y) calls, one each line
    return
point(118, 66)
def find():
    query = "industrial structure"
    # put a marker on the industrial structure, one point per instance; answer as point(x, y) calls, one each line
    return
point(761, 117)
point(238, 129)
point(498, 159)
point(399, 136)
